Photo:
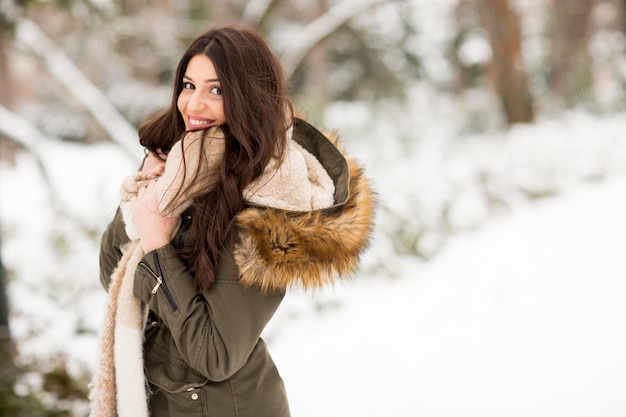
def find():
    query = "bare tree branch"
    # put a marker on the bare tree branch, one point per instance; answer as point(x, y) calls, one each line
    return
point(25, 134)
point(321, 28)
point(254, 12)
point(22, 131)
point(63, 69)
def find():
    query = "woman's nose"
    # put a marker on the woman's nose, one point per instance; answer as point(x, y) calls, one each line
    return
point(196, 102)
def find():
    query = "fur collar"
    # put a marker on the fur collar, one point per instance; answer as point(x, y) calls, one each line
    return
point(278, 249)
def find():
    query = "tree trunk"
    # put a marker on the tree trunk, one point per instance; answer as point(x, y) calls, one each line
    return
point(623, 16)
point(6, 91)
point(503, 27)
point(4, 305)
point(571, 74)
point(7, 348)
point(256, 12)
point(315, 72)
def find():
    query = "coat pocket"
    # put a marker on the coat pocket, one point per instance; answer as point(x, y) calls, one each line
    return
point(191, 403)
point(167, 371)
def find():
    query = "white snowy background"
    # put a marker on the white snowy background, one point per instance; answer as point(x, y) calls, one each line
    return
point(522, 313)
point(515, 306)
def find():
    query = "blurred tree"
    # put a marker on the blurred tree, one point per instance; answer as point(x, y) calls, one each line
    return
point(5, 334)
point(5, 84)
point(7, 348)
point(312, 81)
point(219, 10)
point(369, 49)
point(6, 91)
point(256, 13)
point(503, 27)
point(8, 12)
point(8, 369)
point(571, 75)
point(470, 52)
point(623, 17)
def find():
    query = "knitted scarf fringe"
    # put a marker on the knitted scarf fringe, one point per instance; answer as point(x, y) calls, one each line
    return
point(123, 393)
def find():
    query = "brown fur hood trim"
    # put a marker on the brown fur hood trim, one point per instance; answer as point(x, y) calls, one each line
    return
point(279, 249)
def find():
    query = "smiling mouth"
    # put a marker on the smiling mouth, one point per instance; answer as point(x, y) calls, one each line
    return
point(199, 123)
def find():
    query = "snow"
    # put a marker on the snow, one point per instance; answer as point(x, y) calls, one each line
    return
point(524, 317)
point(519, 311)
point(495, 282)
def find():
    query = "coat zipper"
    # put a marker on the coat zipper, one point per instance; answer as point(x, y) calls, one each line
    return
point(160, 281)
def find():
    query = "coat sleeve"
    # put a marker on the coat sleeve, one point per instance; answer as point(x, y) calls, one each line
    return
point(113, 238)
point(215, 331)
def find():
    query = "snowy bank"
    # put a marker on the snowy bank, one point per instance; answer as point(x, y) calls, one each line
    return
point(523, 318)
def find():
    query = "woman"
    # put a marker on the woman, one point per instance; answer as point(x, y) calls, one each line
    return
point(269, 203)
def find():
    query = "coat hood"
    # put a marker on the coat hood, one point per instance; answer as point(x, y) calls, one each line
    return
point(279, 249)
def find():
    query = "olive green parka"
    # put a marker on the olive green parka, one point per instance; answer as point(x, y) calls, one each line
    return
point(203, 354)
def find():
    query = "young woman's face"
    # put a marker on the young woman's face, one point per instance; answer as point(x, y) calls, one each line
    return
point(200, 102)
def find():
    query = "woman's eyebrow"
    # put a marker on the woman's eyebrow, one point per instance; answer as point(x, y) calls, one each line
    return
point(209, 80)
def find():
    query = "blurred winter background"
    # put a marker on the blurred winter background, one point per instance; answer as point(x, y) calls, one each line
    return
point(494, 130)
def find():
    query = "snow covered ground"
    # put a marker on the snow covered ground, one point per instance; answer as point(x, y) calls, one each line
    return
point(521, 313)
point(523, 318)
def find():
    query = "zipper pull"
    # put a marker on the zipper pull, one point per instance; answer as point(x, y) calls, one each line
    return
point(156, 287)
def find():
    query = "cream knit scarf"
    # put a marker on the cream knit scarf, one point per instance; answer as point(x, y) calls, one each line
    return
point(297, 182)
point(119, 387)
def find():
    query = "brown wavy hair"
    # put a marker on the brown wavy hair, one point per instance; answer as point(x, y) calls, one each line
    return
point(258, 114)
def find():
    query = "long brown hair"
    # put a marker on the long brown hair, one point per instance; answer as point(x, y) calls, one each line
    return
point(258, 114)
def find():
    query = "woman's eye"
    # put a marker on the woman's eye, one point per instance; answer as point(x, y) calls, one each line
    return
point(188, 85)
point(216, 90)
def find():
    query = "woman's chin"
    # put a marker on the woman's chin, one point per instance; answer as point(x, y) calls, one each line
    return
point(194, 128)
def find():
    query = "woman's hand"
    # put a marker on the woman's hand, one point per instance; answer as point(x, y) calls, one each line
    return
point(153, 164)
point(154, 229)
